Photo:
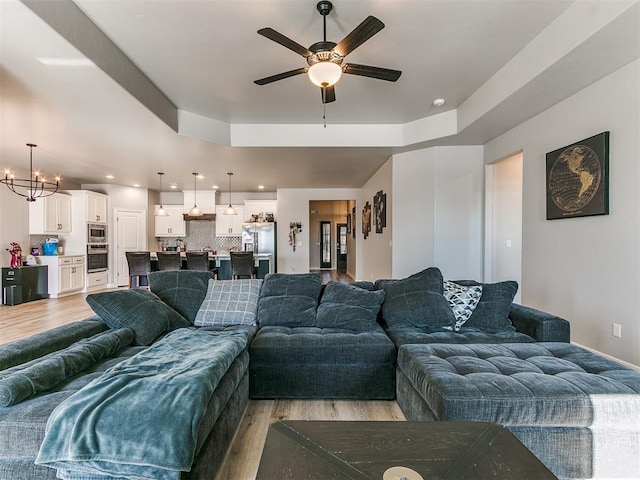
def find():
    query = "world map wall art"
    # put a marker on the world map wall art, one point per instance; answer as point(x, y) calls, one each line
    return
point(578, 179)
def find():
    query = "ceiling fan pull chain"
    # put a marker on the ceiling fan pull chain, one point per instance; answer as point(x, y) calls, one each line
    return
point(324, 114)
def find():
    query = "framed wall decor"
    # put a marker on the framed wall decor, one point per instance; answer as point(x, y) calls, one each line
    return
point(353, 216)
point(380, 210)
point(348, 223)
point(578, 179)
point(366, 220)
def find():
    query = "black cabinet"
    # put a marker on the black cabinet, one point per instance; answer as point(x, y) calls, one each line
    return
point(24, 284)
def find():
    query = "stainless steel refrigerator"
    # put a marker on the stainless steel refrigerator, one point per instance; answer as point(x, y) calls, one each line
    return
point(261, 238)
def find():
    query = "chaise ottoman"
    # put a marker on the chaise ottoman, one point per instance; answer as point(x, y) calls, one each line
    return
point(578, 412)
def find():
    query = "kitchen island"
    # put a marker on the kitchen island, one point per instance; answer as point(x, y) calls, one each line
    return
point(264, 264)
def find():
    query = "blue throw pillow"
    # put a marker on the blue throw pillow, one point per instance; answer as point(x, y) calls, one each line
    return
point(289, 300)
point(416, 301)
point(182, 290)
point(492, 312)
point(349, 307)
point(137, 309)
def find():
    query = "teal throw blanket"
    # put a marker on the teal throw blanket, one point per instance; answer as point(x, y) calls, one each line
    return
point(140, 419)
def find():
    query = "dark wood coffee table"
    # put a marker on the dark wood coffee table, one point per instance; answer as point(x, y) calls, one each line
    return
point(365, 450)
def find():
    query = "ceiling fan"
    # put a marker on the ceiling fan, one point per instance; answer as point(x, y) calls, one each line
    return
point(325, 58)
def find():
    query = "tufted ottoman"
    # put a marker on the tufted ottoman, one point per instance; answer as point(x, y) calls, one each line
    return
point(578, 412)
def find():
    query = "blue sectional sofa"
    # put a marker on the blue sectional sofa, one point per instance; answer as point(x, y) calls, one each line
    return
point(291, 337)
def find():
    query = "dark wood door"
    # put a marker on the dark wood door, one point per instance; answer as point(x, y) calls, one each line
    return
point(341, 247)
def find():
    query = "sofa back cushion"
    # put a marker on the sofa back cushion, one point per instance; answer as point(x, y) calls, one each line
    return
point(229, 302)
point(137, 309)
point(182, 290)
point(349, 307)
point(416, 301)
point(492, 312)
point(289, 299)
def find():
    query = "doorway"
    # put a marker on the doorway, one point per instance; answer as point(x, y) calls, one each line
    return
point(504, 217)
point(341, 247)
point(325, 245)
point(131, 236)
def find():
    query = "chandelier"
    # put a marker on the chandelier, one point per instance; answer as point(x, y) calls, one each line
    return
point(34, 187)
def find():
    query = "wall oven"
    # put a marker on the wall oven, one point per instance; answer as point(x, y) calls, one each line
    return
point(96, 233)
point(97, 258)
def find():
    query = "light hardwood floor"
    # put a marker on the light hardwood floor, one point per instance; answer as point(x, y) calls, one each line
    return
point(243, 457)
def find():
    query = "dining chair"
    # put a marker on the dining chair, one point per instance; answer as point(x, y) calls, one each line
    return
point(199, 261)
point(169, 261)
point(242, 265)
point(139, 267)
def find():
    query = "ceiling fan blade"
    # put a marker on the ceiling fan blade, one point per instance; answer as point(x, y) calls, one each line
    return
point(277, 37)
point(363, 32)
point(281, 76)
point(372, 72)
point(328, 94)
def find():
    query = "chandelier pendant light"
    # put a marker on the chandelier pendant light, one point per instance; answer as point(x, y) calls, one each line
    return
point(230, 210)
point(195, 211)
point(33, 188)
point(161, 211)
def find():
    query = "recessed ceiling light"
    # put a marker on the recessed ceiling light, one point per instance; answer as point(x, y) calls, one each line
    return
point(216, 187)
point(110, 177)
point(438, 102)
point(260, 187)
point(137, 185)
point(200, 176)
point(173, 186)
point(65, 62)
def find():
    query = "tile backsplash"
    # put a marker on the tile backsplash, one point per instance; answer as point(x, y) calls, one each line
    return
point(200, 235)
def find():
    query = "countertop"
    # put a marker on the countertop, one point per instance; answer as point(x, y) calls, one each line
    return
point(221, 255)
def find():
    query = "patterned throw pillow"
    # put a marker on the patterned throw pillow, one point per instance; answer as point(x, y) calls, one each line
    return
point(229, 302)
point(463, 301)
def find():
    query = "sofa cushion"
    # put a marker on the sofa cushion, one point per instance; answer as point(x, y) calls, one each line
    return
point(182, 290)
point(229, 302)
point(349, 307)
point(492, 312)
point(289, 299)
point(416, 301)
point(137, 309)
point(412, 335)
point(462, 300)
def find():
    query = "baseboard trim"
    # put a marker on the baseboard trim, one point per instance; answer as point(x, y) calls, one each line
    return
point(610, 357)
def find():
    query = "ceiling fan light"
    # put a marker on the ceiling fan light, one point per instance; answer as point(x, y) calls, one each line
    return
point(324, 74)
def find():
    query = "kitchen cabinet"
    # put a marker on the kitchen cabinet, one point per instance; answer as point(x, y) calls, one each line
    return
point(96, 207)
point(229, 225)
point(260, 207)
point(50, 215)
point(66, 273)
point(173, 225)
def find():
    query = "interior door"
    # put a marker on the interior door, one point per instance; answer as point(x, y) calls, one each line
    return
point(325, 245)
point(341, 247)
point(131, 234)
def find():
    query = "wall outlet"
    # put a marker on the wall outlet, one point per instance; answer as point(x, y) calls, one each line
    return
point(292, 270)
point(617, 330)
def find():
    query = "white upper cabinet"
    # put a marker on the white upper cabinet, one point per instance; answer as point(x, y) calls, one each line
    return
point(50, 215)
point(229, 225)
point(96, 208)
point(173, 225)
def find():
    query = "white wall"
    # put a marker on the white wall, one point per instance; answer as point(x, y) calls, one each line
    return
point(585, 269)
point(437, 211)
point(377, 248)
point(459, 233)
point(14, 223)
point(293, 206)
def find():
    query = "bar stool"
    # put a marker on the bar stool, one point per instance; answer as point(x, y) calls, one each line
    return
point(199, 261)
point(169, 261)
point(242, 265)
point(139, 267)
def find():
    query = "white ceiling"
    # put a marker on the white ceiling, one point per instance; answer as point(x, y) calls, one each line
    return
point(203, 55)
